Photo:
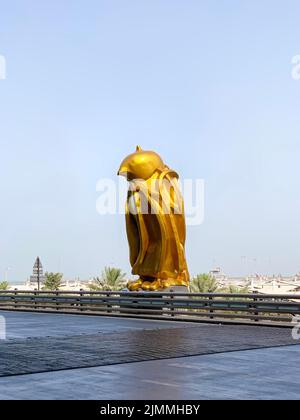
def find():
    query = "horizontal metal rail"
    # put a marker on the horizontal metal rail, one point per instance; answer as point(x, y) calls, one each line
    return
point(200, 307)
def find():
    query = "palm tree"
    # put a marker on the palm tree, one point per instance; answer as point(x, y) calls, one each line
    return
point(112, 279)
point(4, 285)
point(53, 281)
point(204, 283)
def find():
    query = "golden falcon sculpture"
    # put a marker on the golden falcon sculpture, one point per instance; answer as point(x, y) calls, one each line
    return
point(155, 223)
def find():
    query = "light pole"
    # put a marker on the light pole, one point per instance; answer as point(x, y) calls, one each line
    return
point(6, 274)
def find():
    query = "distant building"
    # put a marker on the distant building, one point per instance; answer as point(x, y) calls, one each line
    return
point(38, 273)
point(259, 283)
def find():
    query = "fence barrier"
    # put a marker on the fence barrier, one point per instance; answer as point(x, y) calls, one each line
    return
point(201, 307)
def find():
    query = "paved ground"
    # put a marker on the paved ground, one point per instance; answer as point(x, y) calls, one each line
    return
point(49, 342)
point(254, 374)
point(101, 345)
point(29, 325)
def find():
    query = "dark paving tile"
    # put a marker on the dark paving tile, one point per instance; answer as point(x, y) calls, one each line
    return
point(45, 354)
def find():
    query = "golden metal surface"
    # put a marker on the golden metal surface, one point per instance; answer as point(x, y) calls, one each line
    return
point(155, 223)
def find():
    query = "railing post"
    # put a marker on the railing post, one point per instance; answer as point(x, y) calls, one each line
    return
point(255, 313)
point(108, 306)
point(57, 301)
point(211, 311)
point(15, 299)
point(81, 295)
point(34, 299)
point(172, 302)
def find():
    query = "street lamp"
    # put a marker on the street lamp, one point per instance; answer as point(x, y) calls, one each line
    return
point(6, 274)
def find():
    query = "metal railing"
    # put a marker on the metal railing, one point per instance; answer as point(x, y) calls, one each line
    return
point(215, 307)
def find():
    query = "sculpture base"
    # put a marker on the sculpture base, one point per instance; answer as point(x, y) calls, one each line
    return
point(162, 307)
point(176, 289)
point(158, 285)
point(171, 289)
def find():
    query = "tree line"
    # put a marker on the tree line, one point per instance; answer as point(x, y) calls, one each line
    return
point(114, 279)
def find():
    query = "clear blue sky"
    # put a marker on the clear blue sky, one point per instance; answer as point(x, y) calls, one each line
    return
point(207, 84)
